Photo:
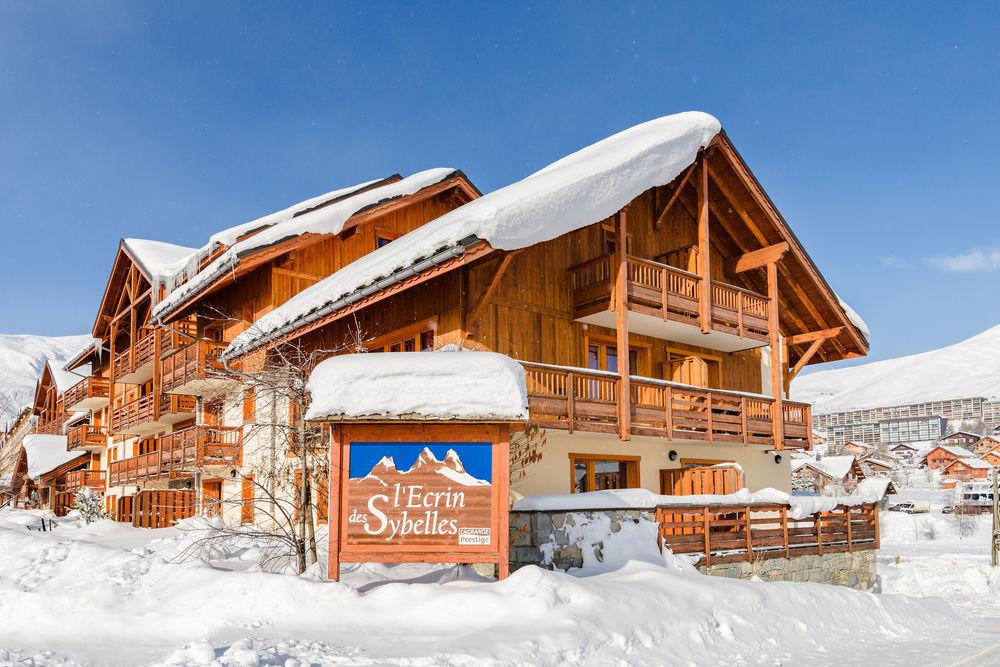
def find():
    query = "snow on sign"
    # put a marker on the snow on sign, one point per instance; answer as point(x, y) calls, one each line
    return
point(420, 493)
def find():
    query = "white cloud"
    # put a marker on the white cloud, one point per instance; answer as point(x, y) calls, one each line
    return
point(978, 259)
point(893, 262)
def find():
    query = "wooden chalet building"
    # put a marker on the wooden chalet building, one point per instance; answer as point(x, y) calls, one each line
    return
point(657, 300)
point(992, 457)
point(986, 444)
point(857, 449)
point(829, 475)
point(163, 426)
point(960, 439)
point(13, 462)
point(968, 469)
point(944, 455)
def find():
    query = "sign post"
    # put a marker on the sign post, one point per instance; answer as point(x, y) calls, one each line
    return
point(419, 492)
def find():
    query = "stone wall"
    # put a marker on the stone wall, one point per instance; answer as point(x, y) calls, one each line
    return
point(856, 569)
point(566, 540)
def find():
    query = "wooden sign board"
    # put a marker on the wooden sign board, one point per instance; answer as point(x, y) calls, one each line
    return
point(419, 492)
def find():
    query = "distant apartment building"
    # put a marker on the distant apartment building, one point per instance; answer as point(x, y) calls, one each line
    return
point(991, 412)
point(911, 429)
point(954, 409)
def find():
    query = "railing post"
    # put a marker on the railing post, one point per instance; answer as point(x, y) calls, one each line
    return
point(708, 547)
point(749, 544)
point(743, 420)
point(668, 409)
point(784, 529)
point(739, 313)
point(708, 403)
point(663, 291)
point(570, 400)
point(819, 533)
point(850, 542)
point(874, 510)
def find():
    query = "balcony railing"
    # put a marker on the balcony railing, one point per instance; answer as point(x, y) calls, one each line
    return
point(671, 294)
point(194, 369)
point(180, 454)
point(49, 426)
point(87, 436)
point(182, 334)
point(147, 412)
point(731, 533)
point(93, 479)
point(587, 400)
point(90, 393)
point(134, 365)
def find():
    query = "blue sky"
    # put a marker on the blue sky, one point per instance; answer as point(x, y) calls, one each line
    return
point(873, 127)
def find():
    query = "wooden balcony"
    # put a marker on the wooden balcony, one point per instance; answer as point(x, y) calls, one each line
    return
point(49, 426)
point(87, 436)
point(150, 413)
point(194, 370)
point(179, 335)
point(585, 400)
point(664, 302)
point(90, 393)
point(93, 479)
point(732, 533)
point(181, 454)
point(135, 364)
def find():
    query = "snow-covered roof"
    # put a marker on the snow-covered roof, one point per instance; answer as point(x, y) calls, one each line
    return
point(301, 219)
point(959, 452)
point(907, 445)
point(157, 258)
point(879, 462)
point(462, 385)
point(872, 488)
point(971, 462)
point(578, 190)
point(46, 453)
point(855, 319)
point(836, 467)
point(966, 433)
point(64, 379)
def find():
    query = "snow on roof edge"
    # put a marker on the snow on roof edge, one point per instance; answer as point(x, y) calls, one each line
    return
point(578, 190)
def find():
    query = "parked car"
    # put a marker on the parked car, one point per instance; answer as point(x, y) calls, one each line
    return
point(915, 507)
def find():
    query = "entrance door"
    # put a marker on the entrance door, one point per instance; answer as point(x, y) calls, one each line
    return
point(211, 496)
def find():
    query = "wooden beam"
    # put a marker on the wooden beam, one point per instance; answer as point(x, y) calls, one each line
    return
point(477, 311)
point(296, 274)
point(760, 258)
point(803, 360)
point(621, 326)
point(673, 198)
point(798, 339)
point(704, 252)
point(777, 386)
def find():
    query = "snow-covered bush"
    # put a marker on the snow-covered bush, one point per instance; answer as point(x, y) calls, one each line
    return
point(89, 504)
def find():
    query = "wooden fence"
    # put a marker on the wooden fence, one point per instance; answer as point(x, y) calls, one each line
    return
point(162, 509)
point(726, 534)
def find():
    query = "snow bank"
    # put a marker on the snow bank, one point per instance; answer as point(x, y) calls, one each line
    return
point(799, 506)
point(576, 191)
point(84, 595)
point(968, 368)
point(284, 225)
point(46, 453)
point(419, 385)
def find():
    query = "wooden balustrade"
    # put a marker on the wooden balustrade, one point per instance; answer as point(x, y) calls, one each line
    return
point(670, 294)
point(93, 479)
point(586, 400)
point(179, 335)
point(180, 454)
point(87, 435)
point(130, 363)
point(194, 369)
point(161, 509)
point(90, 393)
point(146, 412)
point(730, 533)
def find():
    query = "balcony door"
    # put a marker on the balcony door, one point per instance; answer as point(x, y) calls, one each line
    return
point(604, 357)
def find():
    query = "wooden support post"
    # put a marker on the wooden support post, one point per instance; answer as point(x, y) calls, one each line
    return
point(819, 533)
point(874, 512)
point(773, 329)
point(503, 456)
point(333, 502)
point(708, 408)
point(704, 250)
point(850, 542)
point(621, 320)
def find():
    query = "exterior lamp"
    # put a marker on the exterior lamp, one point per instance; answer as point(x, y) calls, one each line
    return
point(672, 455)
point(777, 458)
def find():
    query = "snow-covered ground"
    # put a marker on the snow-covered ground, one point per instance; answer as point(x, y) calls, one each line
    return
point(110, 594)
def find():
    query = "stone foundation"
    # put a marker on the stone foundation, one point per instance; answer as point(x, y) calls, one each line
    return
point(563, 540)
point(855, 569)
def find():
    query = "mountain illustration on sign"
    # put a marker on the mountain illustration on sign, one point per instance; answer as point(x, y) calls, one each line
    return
point(385, 473)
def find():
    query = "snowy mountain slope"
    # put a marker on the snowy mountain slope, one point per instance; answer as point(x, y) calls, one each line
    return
point(969, 368)
point(22, 357)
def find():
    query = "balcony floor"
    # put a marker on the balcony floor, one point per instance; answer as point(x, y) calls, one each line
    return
point(689, 334)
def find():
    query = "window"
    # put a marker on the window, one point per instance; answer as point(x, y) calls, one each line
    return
point(609, 236)
point(249, 404)
point(416, 338)
point(384, 237)
point(602, 356)
point(596, 472)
